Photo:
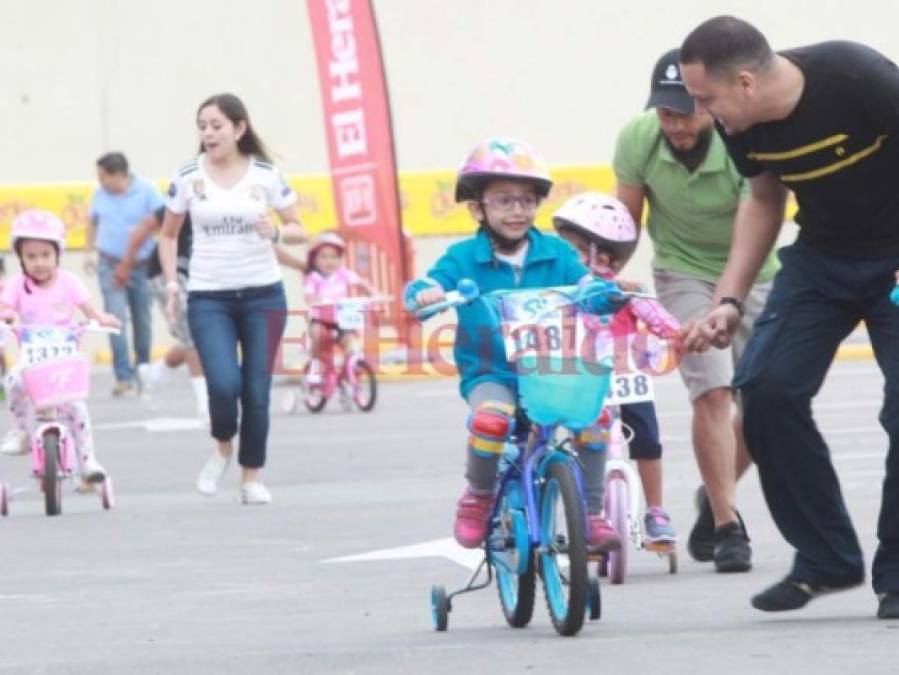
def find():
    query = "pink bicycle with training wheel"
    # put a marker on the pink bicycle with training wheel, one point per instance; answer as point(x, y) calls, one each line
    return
point(349, 373)
point(54, 372)
point(623, 504)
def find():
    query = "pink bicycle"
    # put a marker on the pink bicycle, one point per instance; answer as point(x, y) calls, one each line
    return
point(54, 372)
point(352, 376)
point(623, 503)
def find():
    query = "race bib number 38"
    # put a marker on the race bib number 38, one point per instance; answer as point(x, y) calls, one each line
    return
point(630, 387)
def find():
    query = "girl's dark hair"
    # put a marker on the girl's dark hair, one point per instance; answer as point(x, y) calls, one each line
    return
point(18, 250)
point(234, 109)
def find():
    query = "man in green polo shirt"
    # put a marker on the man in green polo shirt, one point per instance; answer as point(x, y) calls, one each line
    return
point(671, 157)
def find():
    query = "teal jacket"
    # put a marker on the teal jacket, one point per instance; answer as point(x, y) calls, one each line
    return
point(479, 351)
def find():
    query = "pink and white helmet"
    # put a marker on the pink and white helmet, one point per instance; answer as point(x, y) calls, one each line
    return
point(328, 238)
point(501, 158)
point(603, 220)
point(38, 224)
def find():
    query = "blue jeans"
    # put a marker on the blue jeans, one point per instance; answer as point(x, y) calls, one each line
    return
point(134, 299)
point(817, 300)
point(253, 318)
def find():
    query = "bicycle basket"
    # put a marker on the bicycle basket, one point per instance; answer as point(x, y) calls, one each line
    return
point(560, 380)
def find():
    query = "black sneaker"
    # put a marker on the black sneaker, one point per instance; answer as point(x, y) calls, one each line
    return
point(701, 542)
point(791, 594)
point(732, 550)
point(889, 605)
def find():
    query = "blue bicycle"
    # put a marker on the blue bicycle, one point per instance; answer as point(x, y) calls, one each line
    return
point(538, 524)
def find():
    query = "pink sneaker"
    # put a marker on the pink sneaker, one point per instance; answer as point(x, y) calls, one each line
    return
point(472, 514)
point(601, 536)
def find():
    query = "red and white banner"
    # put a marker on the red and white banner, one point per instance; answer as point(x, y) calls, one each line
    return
point(360, 142)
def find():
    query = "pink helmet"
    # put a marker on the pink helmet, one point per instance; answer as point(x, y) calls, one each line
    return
point(329, 238)
point(501, 158)
point(603, 220)
point(38, 224)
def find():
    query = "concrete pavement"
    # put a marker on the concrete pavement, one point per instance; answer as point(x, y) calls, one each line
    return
point(170, 581)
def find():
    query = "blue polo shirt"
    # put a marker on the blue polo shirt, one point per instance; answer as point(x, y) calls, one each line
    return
point(116, 215)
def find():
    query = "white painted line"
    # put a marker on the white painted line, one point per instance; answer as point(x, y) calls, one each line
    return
point(438, 548)
point(155, 424)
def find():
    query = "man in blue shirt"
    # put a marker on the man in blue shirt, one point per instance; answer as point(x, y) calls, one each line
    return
point(117, 206)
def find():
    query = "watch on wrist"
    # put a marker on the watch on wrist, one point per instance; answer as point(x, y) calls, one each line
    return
point(736, 302)
point(276, 237)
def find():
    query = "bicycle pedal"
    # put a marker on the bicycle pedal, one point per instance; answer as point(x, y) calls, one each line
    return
point(660, 546)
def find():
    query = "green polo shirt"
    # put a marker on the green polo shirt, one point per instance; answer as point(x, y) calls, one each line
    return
point(691, 215)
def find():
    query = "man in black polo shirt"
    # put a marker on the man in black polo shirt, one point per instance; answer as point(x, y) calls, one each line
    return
point(822, 121)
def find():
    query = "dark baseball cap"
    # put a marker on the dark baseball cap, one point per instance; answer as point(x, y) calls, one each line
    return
point(667, 88)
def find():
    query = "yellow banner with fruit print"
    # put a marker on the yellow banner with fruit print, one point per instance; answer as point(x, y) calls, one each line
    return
point(426, 197)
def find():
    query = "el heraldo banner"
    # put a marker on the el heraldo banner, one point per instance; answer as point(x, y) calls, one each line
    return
point(360, 142)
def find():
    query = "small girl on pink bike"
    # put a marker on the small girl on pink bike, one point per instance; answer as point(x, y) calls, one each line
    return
point(45, 295)
point(327, 281)
point(603, 232)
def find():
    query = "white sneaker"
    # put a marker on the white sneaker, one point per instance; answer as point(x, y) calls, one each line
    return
point(15, 443)
point(255, 493)
point(144, 379)
point(92, 471)
point(211, 473)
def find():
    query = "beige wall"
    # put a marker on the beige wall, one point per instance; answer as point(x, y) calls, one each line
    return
point(83, 76)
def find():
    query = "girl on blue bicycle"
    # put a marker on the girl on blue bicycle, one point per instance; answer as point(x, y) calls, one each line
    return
point(603, 232)
point(503, 182)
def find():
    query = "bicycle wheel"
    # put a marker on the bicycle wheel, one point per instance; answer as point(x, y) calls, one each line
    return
point(512, 560)
point(440, 608)
point(617, 505)
point(365, 391)
point(563, 539)
point(50, 481)
point(313, 396)
point(106, 494)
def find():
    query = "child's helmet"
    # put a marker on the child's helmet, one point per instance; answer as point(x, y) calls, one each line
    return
point(329, 238)
point(603, 220)
point(37, 224)
point(501, 158)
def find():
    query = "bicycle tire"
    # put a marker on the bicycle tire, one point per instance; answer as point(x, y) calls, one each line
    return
point(51, 483)
point(566, 602)
point(365, 373)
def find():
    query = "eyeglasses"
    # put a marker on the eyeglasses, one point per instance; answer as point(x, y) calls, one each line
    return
point(508, 202)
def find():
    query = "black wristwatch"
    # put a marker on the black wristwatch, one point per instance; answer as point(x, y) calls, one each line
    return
point(736, 302)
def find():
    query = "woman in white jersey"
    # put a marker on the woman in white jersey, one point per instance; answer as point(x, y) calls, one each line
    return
point(235, 294)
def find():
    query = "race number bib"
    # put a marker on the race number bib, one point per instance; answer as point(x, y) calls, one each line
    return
point(542, 323)
point(631, 387)
point(350, 317)
point(32, 354)
point(631, 381)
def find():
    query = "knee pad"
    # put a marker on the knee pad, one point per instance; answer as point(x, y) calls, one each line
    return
point(592, 439)
point(490, 427)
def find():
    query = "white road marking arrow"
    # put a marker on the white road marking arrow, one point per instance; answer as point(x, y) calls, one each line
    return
point(438, 548)
point(155, 424)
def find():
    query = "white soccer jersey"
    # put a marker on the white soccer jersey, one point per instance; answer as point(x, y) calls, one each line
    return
point(228, 252)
